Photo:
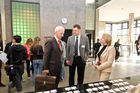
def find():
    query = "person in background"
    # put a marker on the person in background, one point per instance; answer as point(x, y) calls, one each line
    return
point(77, 54)
point(53, 54)
point(117, 45)
point(8, 45)
point(1, 49)
point(96, 47)
point(46, 38)
point(62, 74)
point(105, 58)
point(27, 45)
point(137, 42)
point(37, 52)
point(16, 54)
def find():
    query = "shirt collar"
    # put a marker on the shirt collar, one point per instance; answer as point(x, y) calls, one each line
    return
point(78, 36)
point(56, 38)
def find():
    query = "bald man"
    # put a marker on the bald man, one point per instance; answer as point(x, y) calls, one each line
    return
point(53, 54)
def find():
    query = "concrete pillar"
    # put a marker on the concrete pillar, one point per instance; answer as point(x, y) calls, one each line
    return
point(131, 19)
point(6, 21)
point(97, 24)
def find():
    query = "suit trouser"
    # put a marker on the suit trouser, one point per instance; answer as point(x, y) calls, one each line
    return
point(77, 62)
point(102, 76)
point(56, 73)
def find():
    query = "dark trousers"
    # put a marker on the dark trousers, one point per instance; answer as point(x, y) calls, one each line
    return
point(28, 67)
point(77, 62)
point(55, 71)
point(16, 81)
point(0, 70)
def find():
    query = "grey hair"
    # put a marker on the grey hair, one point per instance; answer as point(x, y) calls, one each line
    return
point(58, 28)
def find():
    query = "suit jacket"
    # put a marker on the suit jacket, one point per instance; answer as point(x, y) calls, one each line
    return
point(52, 57)
point(83, 48)
point(106, 59)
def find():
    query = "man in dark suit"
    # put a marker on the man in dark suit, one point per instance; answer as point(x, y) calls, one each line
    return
point(96, 47)
point(53, 54)
point(77, 54)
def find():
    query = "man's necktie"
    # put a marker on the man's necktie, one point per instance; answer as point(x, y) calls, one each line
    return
point(76, 46)
point(59, 44)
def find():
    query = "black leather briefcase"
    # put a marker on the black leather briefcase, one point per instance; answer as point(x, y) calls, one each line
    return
point(44, 83)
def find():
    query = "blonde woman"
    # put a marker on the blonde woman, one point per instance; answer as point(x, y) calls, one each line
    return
point(37, 52)
point(105, 58)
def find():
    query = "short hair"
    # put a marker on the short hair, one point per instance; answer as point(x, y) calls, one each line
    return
point(108, 38)
point(58, 28)
point(17, 38)
point(77, 26)
point(98, 39)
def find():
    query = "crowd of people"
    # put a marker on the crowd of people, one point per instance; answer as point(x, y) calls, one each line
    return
point(56, 52)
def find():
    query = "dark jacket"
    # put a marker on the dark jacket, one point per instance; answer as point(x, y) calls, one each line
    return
point(16, 54)
point(52, 57)
point(96, 47)
point(37, 52)
point(7, 47)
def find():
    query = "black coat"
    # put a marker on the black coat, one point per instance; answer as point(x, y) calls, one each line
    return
point(52, 57)
point(16, 54)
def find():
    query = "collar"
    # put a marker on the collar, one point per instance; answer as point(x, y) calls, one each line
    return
point(78, 36)
point(56, 38)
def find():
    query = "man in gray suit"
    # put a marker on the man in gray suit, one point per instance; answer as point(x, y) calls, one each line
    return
point(77, 54)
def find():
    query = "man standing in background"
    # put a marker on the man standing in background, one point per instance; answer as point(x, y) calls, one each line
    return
point(96, 47)
point(77, 54)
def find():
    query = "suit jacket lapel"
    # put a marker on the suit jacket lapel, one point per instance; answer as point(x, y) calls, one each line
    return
point(73, 40)
point(80, 41)
point(56, 44)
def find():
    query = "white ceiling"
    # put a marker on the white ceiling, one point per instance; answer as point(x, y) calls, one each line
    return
point(118, 10)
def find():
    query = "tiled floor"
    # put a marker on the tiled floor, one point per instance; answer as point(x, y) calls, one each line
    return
point(127, 66)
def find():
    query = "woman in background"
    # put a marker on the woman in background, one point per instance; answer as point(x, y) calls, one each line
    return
point(37, 52)
point(28, 60)
point(105, 58)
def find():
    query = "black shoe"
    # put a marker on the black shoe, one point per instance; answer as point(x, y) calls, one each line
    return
point(2, 85)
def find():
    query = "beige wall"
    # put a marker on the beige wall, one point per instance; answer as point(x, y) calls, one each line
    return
point(100, 29)
point(52, 11)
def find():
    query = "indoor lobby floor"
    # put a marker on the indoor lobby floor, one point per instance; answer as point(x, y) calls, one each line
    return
point(126, 67)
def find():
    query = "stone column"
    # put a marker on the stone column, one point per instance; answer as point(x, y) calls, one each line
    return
point(131, 19)
point(97, 24)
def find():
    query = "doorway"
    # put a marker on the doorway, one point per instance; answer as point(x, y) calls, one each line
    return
point(68, 32)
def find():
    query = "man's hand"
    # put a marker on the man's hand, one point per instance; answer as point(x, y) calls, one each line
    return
point(68, 62)
point(46, 71)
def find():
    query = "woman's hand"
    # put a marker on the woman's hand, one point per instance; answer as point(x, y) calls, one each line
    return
point(95, 65)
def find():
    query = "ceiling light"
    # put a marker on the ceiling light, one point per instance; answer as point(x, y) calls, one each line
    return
point(90, 1)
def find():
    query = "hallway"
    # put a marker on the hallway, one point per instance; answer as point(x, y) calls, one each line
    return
point(126, 67)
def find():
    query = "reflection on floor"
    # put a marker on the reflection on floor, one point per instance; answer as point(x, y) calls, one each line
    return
point(126, 67)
